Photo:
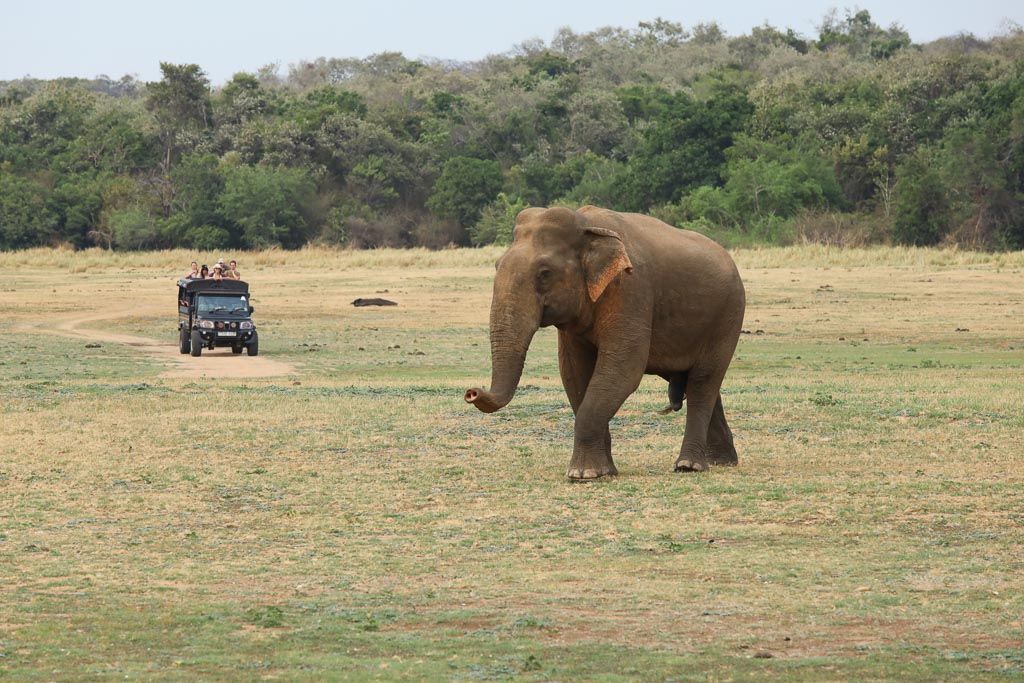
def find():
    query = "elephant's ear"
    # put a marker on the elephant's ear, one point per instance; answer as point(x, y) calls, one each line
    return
point(604, 257)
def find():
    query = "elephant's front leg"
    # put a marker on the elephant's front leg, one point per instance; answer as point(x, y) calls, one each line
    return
point(576, 361)
point(615, 377)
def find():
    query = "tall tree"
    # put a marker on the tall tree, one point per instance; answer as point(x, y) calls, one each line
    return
point(180, 102)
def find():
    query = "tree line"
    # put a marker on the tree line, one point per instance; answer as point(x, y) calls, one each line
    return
point(857, 135)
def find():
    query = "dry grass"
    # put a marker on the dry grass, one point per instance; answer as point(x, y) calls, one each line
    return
point(318, 258)
point(308, 258)
point(817, 255)
point(357, 520)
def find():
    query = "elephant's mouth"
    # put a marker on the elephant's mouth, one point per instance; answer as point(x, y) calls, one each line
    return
point(547, 317)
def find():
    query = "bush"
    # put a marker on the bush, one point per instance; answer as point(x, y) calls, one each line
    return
point(729, 237)
point(465, 187)
point(77, 202)
point(335, 228)
point(496, 221)
point(437, 233)
point(25, 221)
point(134, 228)
point(207, 238)
point(770, 229)
point(922, 211)
point(270, 205)
point(370, 233)
point(706, 203)
point(766, 185)
point(832, 228)
point(598, 178)
point(763, 186)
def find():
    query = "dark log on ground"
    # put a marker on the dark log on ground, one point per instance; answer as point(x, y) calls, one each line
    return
point(373, 302)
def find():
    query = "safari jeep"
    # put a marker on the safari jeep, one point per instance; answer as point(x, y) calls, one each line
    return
point(214, 313)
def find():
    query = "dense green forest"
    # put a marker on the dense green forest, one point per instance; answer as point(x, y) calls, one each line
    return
point(853, 136)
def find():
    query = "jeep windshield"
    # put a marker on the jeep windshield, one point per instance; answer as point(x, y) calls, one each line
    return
point(222, 304)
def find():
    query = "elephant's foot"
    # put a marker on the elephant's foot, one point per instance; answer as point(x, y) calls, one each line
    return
point(588, 473)
point(723, 455)
point(692, 460)
point(593, 466)
point(592, 459)
point(686, 464)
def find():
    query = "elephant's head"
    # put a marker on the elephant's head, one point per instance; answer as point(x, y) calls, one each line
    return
point(556, 270)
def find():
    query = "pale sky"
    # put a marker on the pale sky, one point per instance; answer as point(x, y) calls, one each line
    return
point(51, 38)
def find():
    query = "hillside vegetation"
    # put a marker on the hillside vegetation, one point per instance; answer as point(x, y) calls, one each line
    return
point(854, 136)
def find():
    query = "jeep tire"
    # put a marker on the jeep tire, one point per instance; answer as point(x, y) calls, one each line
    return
point(197, 343)
point(253, 347)
point(184, 341)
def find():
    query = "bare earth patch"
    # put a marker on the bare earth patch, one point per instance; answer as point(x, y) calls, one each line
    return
point(219, 363)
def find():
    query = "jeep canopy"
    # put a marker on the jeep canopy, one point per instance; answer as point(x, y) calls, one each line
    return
point(189, 286)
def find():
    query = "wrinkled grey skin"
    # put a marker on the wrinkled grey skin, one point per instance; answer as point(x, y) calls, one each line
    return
point(630, 296)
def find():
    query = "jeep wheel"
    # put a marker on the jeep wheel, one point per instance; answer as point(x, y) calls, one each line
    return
point(197, 343)
point(184, 341)
point(253, 348)
point(237, 348)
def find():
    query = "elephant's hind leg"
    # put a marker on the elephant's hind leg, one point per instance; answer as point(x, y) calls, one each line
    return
point(720, 446)
point(701, 395)
point(676, 393)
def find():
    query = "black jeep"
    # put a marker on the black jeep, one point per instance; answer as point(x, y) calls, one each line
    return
point(215, 313)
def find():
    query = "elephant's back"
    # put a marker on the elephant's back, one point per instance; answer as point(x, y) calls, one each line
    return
point(672, 252)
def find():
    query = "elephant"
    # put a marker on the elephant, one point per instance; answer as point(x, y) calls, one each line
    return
point(629, 296)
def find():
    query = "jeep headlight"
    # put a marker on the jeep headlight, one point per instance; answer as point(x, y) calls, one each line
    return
point(245, 325)
point(206, 324)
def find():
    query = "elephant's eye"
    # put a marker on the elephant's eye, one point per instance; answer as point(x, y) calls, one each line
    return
point(544, 276)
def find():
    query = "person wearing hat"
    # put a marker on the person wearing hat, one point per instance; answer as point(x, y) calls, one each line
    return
point(218, 271)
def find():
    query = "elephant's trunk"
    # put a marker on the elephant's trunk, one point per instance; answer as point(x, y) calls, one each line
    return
point(488, 401)
point(513, 324)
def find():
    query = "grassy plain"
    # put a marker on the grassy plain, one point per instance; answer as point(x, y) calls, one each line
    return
point(354, 519)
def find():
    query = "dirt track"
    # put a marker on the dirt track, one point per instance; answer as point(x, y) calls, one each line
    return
point(219, 363)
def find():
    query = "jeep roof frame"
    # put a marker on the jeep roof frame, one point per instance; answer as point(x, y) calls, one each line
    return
point(208, 286)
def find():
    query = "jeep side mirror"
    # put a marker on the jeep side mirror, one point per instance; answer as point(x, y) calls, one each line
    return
point(252, 309)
